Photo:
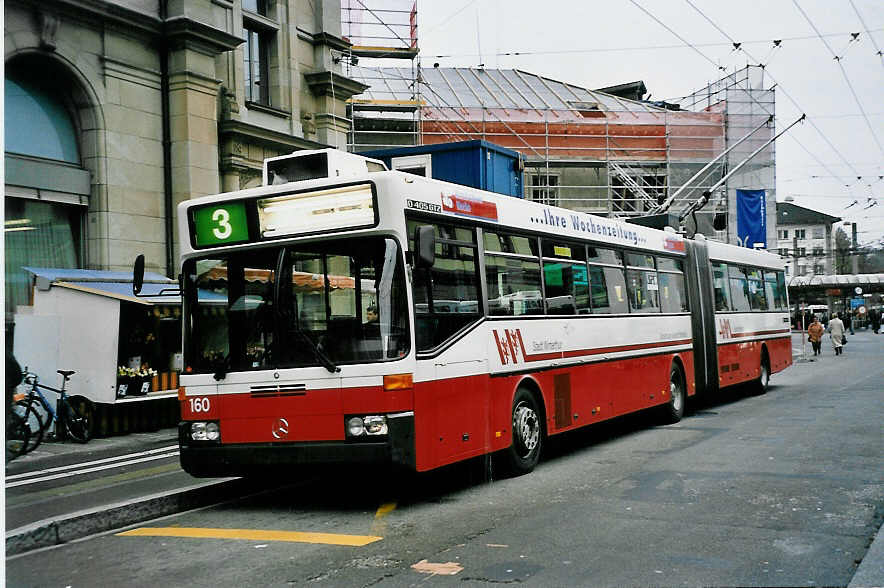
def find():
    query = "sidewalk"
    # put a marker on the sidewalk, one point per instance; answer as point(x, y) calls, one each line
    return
point(64, 490)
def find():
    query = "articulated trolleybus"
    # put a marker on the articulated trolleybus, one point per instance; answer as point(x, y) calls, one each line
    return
point(342, 313)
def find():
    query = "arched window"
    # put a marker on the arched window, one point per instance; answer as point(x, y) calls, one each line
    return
point(46, 187)
point(37, 124)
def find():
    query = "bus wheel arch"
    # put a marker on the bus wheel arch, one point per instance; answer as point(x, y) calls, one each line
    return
point(527, 429)
point(674, 409)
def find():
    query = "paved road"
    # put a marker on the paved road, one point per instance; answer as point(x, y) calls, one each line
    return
point(785, 489)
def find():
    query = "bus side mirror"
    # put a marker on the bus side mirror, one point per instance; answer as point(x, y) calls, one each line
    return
point(719, 221)
point(424, 246)
point(138, 275)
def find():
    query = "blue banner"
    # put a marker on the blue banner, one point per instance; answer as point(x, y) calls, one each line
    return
point(751, 218)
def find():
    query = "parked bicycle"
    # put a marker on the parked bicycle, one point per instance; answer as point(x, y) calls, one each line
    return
point(73, 415)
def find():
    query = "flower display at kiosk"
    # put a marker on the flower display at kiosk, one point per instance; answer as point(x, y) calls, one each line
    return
point(126, 372)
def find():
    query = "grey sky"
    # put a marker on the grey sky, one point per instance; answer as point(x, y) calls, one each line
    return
point(596, 44)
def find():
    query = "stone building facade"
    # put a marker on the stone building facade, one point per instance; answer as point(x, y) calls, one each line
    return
point(116, 111)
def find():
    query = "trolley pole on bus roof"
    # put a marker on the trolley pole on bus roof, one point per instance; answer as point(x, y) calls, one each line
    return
point(668, 202)
point(704, 198)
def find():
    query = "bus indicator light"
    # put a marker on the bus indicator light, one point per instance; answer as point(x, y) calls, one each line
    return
point(398, 382)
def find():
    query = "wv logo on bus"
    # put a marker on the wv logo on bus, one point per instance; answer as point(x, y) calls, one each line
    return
point(509, 345)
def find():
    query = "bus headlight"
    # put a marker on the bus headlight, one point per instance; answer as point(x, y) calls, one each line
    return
point(205, 431)
point(371, 425)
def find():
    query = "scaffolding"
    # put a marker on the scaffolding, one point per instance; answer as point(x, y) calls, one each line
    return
point(380, 33)
point(607, 153)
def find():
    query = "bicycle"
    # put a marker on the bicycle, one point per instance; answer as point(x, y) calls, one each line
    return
point(73, 415)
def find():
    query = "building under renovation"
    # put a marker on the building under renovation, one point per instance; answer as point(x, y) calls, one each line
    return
point(603, 151)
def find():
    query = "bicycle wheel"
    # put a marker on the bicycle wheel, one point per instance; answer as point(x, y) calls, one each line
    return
point(17, 435)
point(79, 412)
point(30, 412)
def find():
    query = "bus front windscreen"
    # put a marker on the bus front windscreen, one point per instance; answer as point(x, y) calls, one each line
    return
point(318, 304)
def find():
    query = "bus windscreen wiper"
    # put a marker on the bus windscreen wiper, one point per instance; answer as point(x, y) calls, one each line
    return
point(324, 359)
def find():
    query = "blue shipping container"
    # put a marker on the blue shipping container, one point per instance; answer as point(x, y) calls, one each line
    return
point(478, 164)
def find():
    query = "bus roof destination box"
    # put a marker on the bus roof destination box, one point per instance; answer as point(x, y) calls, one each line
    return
point(318, 163)
point(478, 164)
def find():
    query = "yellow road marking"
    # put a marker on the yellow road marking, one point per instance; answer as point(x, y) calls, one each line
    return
point(253, 535)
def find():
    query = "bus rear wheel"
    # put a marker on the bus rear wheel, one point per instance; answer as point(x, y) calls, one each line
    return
point(527, 435)
point(673, 411)
point(763, 382)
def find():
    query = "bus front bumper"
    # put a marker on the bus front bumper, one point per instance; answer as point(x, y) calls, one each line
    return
point(211, 460)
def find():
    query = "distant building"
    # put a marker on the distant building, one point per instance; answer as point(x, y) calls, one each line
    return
point(116, 111)
point(805, 240)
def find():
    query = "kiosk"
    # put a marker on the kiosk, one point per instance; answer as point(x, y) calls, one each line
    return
point(125, 350)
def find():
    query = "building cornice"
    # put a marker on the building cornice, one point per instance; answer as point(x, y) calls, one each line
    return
point(248, 133)
point(329, 83)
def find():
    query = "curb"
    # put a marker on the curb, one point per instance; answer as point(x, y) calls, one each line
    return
point(871, 569)
point(66, 528)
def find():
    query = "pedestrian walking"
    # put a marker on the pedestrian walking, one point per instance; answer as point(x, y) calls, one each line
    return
point(848, 322)
point(815, 335)
point(836, 332)
point(875, 319)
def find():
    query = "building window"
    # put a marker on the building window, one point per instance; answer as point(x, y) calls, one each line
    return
point(801, 252)
point(802, 269)
point(819, 269)
point(818, 252)
point(256, 6)
point(784, 252)
point(255, 65)
point(799, 233)
point(545, 188)
point(784, 234)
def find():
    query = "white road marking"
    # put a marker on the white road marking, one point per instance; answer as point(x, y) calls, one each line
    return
point(106, 464)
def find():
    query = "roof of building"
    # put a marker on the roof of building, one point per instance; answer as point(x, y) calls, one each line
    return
point(466, 87)
point(837, 280)
point(792, 214)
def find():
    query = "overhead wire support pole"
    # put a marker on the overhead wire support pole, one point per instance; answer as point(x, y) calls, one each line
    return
point(668, 202)
point(701, 202)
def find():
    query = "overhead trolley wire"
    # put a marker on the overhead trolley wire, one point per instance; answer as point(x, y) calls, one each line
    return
point(792, 100)
point(868, 33)
point(843, 73)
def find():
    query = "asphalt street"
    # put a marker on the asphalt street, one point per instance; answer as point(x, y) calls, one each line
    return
point(785, 489)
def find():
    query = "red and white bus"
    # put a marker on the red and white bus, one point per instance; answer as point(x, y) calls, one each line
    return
point(364, 315)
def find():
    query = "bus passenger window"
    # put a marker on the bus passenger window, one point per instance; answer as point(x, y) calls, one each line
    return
point(776, 300)
point(567, 288)
point(739, 289)
point(757, 298)
point(643, 290)
point(608, 290)
point(720, 284)
point(673, 297)
point(513, 286)
point(446, 297)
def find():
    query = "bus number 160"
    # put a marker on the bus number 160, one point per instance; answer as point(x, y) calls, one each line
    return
point(199, 404)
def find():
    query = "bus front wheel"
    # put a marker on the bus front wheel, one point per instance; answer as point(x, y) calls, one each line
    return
point(527, 435)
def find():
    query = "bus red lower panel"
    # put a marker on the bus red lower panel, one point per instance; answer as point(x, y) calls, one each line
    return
point(465, 417)
point(741, 362)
